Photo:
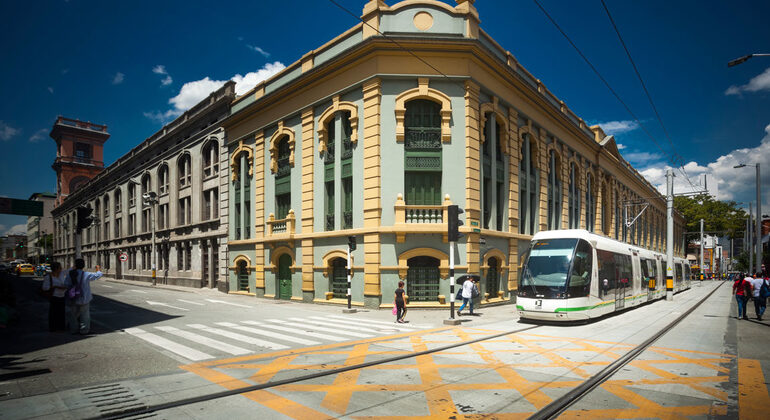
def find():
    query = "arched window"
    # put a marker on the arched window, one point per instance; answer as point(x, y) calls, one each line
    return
point(210, 159)
point(146, 188)
point(131, 193)
point(241, 187)
point(574, 198)
point(590, 204)
point(528, 188)
point(422, 152)
point(163, 180)
point(338, 131)
point(97, 225)
point(554, 191)
point(493, 180)
point(106, 201)
point(422, 279)
point(118, 200)
point(185, 173)
point(618, 215)
point(339, 280)
point(283, 179)
point(606, 210)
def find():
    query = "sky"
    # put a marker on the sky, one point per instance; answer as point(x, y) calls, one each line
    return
point(136, 65)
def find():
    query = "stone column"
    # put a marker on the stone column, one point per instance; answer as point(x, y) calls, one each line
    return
point(308, 142)
point(259, 213)
point(372, 91)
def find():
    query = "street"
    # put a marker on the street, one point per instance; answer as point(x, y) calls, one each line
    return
point(185, 349)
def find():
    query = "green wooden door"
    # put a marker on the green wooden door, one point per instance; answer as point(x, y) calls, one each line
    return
point(284, 277)
point(339, 278)
point(243, 277)
point(422, 279)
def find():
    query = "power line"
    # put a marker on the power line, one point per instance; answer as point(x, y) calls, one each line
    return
point(647, 92)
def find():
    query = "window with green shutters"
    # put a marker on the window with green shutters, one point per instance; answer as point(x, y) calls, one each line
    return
point(241, 187)
point(590, 204)
point(493, 277)
point(422, 153)
point(339, 282)
point(329, 177)
point(347, 197)
point(493, 168)
point(554, 192)
point(574, 198)
point(283, 180)
point(329, 205)
point(347, 172)
point(422, 279)
point(528, 189)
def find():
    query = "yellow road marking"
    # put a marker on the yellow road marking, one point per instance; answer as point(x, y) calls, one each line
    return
point(753, 400)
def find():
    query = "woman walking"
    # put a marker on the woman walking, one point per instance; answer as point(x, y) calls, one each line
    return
point(742, 291)
point(400, 303)
point(56, 282)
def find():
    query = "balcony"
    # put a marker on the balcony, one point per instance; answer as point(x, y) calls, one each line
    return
point(281, 226)
point(79, 160)
point(81, 124)
point(420, 218)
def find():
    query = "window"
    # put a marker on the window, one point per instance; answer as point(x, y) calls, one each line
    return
point(243, 276)
point(528, 188)
point(131, 223)
point(210, 204)
point(185, 174)
point(82, 153)
point(184, 212)
point(163, 216)
point(329, 204)
point(590, 204)
point(347, 202)
point(493, 198)
point(210, 160)
point(283, 180)
point(188, 257)
point(118, 201)
point(117, 227)
point(617, 216)
point(422, 279)
point(339, 281)
point(606, 209)
point(574, 198)
point(554, 192)
point(422, 147)
point(615, 271)
point(493, 277)
point(329, 175)
point(163, 180)
point(347, 172)
point(179, 257)
point(131, 194)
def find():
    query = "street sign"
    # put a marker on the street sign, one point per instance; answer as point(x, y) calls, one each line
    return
point(123, 257)
point(21, 207)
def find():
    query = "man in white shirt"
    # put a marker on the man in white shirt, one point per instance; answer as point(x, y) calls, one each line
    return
point(467, 294)
point(759, 303)
point(80, 313)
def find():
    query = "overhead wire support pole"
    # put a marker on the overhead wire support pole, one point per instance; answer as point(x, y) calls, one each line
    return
point(670, 234)
point(701, 250)
point(758, 231)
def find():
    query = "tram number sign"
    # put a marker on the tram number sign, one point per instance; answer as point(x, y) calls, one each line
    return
point(539, 304)
point(123, 257)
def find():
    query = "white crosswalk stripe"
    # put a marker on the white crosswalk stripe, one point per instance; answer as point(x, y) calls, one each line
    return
point(296, 330)
point(239, 337)
point(269, 334)
point(227, 348)
point(169, 345)
point(355, 324)
point(323, 322)
point(319, 328)
point(384, 323)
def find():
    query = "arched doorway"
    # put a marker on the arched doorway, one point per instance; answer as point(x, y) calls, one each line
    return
point(339, 280)
point(284, 277)
point(422, 279)
point(493, 277)
point(243, 276)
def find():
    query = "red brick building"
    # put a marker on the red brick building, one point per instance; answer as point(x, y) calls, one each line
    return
point(79, 154)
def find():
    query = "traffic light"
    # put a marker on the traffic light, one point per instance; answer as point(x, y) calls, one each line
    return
point(454, 223)
point(352, 243)
point(84, 217)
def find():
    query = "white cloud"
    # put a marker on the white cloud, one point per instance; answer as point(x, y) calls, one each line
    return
point(737, 184)
point(20, 229)
point(756, 84)
point(50, 90)
point(259, 50)
point(161, 69)
point(39, 135)
point(118, 79)
point(619, 127)
point(7, 132)
point(193, 92)
point(620, 146)
point(642, 158)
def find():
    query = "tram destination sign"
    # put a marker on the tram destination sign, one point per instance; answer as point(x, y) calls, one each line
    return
point(21, 207)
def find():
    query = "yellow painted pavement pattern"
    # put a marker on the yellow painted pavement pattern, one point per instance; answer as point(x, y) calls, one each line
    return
point(557, 363)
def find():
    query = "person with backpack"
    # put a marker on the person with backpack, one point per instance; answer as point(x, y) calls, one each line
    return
point(55, 287)
point(760, 294)
point(79, 296)
point(469, 291)
point(742, 291)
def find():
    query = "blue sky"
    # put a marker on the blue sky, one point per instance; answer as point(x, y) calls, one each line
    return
point(133, 65)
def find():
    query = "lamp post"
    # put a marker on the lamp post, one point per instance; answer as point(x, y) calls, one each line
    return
point(96, 231)
point(150, 199)
point(740, 60)
point(758, 231)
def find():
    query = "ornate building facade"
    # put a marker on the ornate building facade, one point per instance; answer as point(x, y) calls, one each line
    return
point(368, 138)
point(184, 164)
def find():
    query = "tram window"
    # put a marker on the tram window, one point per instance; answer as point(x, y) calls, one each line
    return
point(687, 273)
point(645, 264)
point(678, 278)
point(615, 271)
point(664, 269)
point(580, 276)
point(548, 266)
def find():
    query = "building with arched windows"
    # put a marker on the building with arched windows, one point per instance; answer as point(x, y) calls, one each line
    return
point(368, 138)
point(185, 165)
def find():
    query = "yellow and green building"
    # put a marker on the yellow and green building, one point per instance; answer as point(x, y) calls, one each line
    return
point(373, 138)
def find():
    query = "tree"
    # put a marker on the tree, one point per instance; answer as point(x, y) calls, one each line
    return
point(719, 216)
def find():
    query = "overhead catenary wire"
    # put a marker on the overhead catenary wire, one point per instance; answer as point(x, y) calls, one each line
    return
point(647, 93)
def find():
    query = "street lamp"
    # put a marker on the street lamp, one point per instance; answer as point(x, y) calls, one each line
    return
point(758, 232)
point(150, 199)
point(740, 60)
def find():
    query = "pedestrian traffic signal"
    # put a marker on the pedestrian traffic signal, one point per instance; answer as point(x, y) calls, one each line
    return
point(352, 243)
point(454, 223)
point(84, 217)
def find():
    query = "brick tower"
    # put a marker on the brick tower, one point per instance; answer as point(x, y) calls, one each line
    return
point(79, 154)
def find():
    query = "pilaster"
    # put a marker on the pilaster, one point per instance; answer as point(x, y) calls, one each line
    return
point(543, 162)
point(259, 211)
point(308, 141)
point(372, 92)
point(514, 149)
point(513, 267)
point(472, 173)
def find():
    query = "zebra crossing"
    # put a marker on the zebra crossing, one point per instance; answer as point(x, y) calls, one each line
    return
point(197, 342)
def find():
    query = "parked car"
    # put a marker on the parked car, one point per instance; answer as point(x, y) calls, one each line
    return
point(25, 269)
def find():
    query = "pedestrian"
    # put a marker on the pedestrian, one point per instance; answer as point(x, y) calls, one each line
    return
point(467, 293)
point(741, 290)
point(760, 302)
point(400, 303)
point(80, 297)
point(56, 283)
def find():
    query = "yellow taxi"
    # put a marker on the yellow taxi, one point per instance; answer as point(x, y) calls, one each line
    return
point(25, 269)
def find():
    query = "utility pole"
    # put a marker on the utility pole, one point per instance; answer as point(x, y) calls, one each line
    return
point(702, 272)
point(758, 231)
point(38, 242)
point(750, 238)
point(670, 235)
point(351, 247)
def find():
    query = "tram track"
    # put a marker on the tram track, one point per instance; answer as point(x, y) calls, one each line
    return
point(550, 411)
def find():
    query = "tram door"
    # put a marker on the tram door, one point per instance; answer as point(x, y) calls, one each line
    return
point(625, 273)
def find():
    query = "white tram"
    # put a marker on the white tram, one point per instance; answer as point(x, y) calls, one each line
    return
point(577, 275)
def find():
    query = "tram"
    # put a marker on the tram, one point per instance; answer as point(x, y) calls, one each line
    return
point(577, 275)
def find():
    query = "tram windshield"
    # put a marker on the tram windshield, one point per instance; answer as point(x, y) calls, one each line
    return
point(557, 269)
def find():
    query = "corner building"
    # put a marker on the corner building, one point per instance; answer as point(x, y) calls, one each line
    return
point(362, 137)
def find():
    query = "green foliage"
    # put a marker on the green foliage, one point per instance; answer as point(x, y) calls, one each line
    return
point(716, 215)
